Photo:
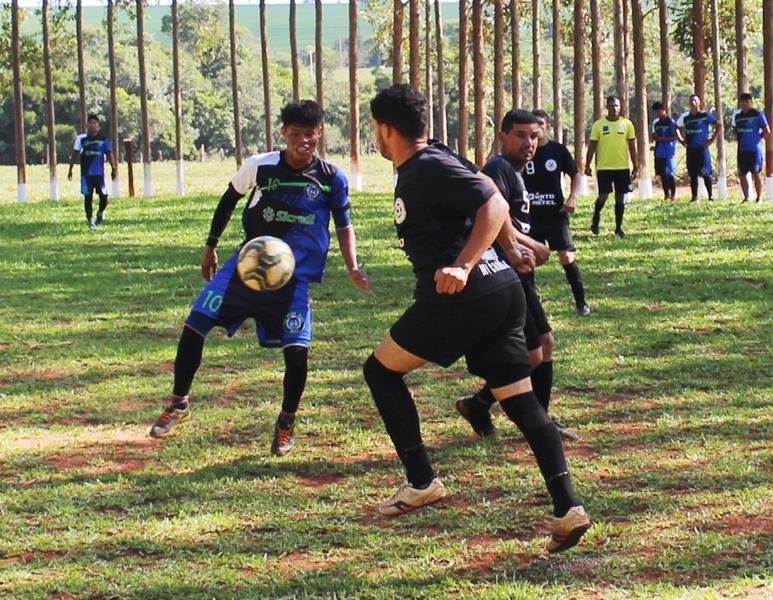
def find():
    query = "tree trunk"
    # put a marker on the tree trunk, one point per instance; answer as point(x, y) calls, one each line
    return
point(397, 42)
point(767, 61)
point(478, 77)
point(598, 89)
point(178, 117)
point(557, 125)
point(699, 49)
point(50, 118)
point(18, 106)
point(81, 65)
point(499, 67)
point(354, 101)
point(716, 66)
point(515, 50)
point(294, 53)
point(536, 92)
point(428, 66)
point(113, 93)
point(640, 82)
point(579, 84)
point(665, 67)
point(147, 180)
point(463, 49)
point(441, 85)
point(235, 84)
point(318, 68)
point(266, 86)
point(414, 73)
point(621, 77)
point(740, 47)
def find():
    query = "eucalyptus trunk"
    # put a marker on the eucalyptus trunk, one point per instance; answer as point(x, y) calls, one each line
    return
point(18, 105)
point(441, 84)
point(414, 56)
point(464, 118)
point(478, 77)
point(147, 179)
point(598, 89)
point(50, 118)
point(318, 68)
point(499, 67)
point(266, 81)
point(741, 48)
point(354, 101)
point(294, 53)
point(397, 41)
point(640, 81)
point(515, 52)
point(716, 68)
point(699, 49)
point(178, 116)
point(665, 62)
point(579, 83)
point(81, 62)
point(113, 95)
point(621, 76)
point(557, 124)
point(235, 83)
point(767, 61)
point(536, 85)
point(428, 66)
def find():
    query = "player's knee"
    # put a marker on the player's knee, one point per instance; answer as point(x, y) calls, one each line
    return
point(535, 357)
point(296, 357)
point(375, 372)
point(548, 345)
point(505, 376)
point(565, 257)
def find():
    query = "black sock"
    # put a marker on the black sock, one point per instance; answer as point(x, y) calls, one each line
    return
point(187, 362)
point(670, 186)
point(296, 370)
point(87, 205)
point(102, 203)
point(694, 187)
point(286, 420)
point(542, 383)
point(707, 182)
point(574, 277)
point(545, 441)
point(619, 211)
point(398, 411)
point(485, 397)
point(600, 202)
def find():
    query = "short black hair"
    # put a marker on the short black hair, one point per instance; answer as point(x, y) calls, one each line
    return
point(694, 96)
point(541, 114)
point(745, 96)
point(92, 117)
point(658, 106)
point(517, 116)
point(613, 97)
point(403, 107)
point(305, 113)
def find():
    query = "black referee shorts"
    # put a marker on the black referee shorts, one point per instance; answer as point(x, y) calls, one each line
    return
point(620, 179)
point(554, 231)
point(487, 331)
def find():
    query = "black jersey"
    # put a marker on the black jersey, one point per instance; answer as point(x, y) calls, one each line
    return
point(542, 176)
point(511, 186)
point(436, 200)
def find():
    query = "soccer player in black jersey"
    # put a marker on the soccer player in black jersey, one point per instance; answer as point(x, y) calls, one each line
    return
point(549, 213)
point(294, 194)
point(467, 302)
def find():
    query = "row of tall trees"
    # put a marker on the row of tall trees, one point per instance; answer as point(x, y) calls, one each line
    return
point(482, 34)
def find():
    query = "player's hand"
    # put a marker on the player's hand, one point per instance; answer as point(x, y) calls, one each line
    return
point(522, 259)
point(69, 175)
point(208, 263)
point(588, 170)
point(541, 254)
point(112, 174)
point(450, 280)
point(634, 173)
point(360, 279)
point(570, 206)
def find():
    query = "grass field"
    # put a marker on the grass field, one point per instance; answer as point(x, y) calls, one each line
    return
point(669, 382)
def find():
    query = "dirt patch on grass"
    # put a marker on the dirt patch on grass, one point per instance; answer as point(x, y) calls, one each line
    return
point(121, 452)
point(29, 557)
point(746, 524)
point(319, 481)
point(297, 561)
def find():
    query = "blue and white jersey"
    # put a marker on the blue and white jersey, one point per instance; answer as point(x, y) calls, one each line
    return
point(750, 127)
point(92, 154)
point(696, 127)
point(664, 128)
point(294, 205)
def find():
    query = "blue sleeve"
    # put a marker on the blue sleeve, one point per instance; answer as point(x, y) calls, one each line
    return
point(711, 118)
point(762, 119)
point(340, 206)
point(108, 149)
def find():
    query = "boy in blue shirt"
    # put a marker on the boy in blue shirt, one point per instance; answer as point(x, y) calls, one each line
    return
point(750, 127)
point(664, 133)
point(693, 133)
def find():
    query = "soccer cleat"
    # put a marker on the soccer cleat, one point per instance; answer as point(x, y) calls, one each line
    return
point(100, 219)
point(408, 498)
point(566, 433)
point(282, 443)
point(594, 228)
point(169, 419)
point(477, 415)
point(92, 225)
point(620, 233)
point(583, 310)
point(567, 531)
point(693, 201)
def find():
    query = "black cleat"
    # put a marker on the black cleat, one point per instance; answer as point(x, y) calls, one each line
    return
point(477, 415)
point(583, 310)
point(620, 233)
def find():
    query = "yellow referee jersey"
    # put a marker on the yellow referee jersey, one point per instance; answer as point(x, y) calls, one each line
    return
point(612, 139)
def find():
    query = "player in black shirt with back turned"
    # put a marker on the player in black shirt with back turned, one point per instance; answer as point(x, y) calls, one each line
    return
point(468, 302)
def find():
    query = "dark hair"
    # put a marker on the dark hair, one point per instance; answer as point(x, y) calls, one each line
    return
point(658, 106)
point(517, 116)
point(694, 96)
point(745, 96)
point(305, 113)
point(92, 117)
point(403, 107)
point(613, 97)
point(541, 114)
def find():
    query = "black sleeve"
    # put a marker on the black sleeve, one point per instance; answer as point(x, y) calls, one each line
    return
point(223, 212)
point(453, 184)
point(503, 176)
point(569, 166)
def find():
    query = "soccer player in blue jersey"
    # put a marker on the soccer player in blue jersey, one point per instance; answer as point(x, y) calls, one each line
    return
point(294, 194)
point(750, 127)
point(93, 147)
point(693, 133)
point(664, 130)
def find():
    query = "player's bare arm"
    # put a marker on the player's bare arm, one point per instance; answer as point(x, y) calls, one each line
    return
point(718, 127)
point(591, 152)
point(634, 158)
point(571, 202)
point(521, 256)
point(73, 155)
point(223, 212)
point(111, 160)
point(347, 242)
point(488, 222)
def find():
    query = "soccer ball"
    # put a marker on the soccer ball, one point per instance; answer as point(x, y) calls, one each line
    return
point(265, 263)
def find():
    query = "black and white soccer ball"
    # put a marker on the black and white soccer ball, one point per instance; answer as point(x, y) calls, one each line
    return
point(265, 263)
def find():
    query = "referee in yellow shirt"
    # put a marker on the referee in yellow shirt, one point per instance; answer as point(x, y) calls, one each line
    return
point(612, 139)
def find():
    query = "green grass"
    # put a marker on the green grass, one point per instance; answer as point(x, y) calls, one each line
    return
point(668, 381)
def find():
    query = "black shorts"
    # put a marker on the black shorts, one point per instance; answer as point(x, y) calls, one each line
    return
point(620, 179)
point(487, 331)
point(553, 230)
point(698, 162)
point(664, 167)
point(750, 161)
point(537, 323)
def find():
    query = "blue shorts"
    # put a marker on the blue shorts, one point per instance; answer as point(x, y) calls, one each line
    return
point(93, 183)
point(283, 317)
point(749, 161)
point(665, 166)
point(699, 162)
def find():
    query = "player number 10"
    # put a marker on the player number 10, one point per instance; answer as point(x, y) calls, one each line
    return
point(213, 301)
